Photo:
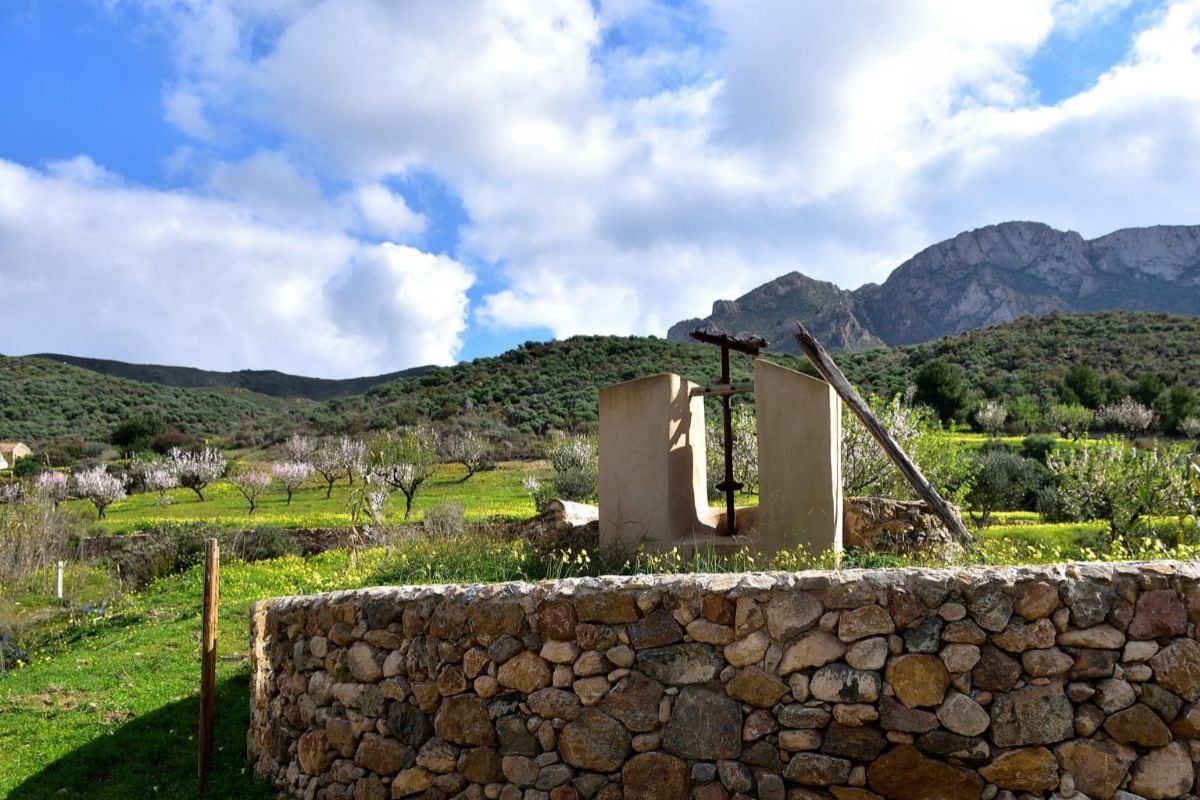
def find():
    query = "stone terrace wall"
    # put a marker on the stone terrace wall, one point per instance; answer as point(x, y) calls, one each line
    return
point(1078, 681)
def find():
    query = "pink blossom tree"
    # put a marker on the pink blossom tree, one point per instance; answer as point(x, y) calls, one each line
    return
point(51, 487)
point(155, 475)
point(330, 461)
point(291, 475)
point(99, 487)
point(197, 469)
point(251, 484)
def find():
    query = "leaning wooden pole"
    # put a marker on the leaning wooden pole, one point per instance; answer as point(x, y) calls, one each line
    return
point(208, 658)
point(834, 377)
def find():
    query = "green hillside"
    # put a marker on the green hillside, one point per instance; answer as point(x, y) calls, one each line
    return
point(1032, 356)
point(542, 386)
point(262, 381)
point(42, 400)
point(554, 385)
point(534, 388)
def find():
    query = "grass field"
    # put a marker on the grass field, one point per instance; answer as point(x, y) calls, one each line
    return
point(111, 710)
point(495, 494)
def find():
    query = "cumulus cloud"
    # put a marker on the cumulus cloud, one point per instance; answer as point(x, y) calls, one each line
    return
point(621, 164)
point(403, 300)
point(385, 213)
point(95, 268)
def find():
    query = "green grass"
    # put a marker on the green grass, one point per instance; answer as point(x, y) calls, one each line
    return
point(111, 711)
point(493, 495)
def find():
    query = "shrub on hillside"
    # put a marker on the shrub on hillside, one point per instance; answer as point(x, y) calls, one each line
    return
point(1038, 446)
point(576, 467)
point(1114, 481)
point(26, 467)
point(445, 520)
point(1003, 480)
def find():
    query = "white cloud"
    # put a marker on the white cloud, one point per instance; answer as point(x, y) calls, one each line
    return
point(272, 187)
point(403, 300)
point(172, 277)
point(185, 110)
point(1074, 16)
point(385, 213)
point(618, 195)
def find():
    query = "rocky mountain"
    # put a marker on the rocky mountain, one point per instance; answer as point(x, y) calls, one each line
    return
point(979, 278)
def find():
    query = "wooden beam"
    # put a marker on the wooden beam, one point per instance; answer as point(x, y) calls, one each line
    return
point(834, 377)
point(722, 389)
point(208, 659)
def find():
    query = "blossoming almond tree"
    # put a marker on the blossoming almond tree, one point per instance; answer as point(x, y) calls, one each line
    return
point(51, 487)
point(197, 469)
point(251, 484)
point(156, 475)
point(337, 458)
point(291, 475)
point(469, 449)
point(404, 460)
point(99, 487)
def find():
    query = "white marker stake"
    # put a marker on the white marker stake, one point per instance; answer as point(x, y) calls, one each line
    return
point(58, 582)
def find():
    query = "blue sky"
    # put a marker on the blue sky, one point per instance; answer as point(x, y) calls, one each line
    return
point(344, 187)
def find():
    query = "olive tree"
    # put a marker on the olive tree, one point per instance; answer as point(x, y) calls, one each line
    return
point(1070, 420)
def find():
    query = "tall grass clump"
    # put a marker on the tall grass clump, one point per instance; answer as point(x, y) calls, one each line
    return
point(33, 536)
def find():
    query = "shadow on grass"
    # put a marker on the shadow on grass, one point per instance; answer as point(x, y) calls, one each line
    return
point(154, 756)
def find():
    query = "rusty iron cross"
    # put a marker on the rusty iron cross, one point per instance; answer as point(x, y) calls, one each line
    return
point(751, 345)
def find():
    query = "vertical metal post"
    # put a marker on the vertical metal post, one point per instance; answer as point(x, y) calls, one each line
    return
point(208, 658)
point(58, 581)
point(751, 346)
point(729, 484)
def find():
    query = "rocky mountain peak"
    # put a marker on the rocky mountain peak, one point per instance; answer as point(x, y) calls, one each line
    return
point(978, 278)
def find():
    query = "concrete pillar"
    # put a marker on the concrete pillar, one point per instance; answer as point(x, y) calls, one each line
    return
point(799, 461)
point(652, 470)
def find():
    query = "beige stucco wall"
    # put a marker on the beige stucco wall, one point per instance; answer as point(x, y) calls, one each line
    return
point(799, 461)
point(652, 472)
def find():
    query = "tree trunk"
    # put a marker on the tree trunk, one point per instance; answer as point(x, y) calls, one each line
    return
point(408, 500)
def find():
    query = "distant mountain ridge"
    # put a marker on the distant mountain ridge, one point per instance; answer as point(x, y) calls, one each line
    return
point(269, 382)
point(979, 278)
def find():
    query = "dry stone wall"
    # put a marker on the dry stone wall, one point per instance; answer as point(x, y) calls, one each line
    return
point(982, 684)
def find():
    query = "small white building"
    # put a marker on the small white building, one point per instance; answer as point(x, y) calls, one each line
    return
point(10, 452)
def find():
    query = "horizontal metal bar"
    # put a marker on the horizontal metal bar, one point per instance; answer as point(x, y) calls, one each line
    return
point(722, 389)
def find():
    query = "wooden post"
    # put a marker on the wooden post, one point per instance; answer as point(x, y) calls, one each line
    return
point(830, 372)
point(208, 658)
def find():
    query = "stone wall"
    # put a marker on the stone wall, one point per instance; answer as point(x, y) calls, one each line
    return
point(988, 684)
